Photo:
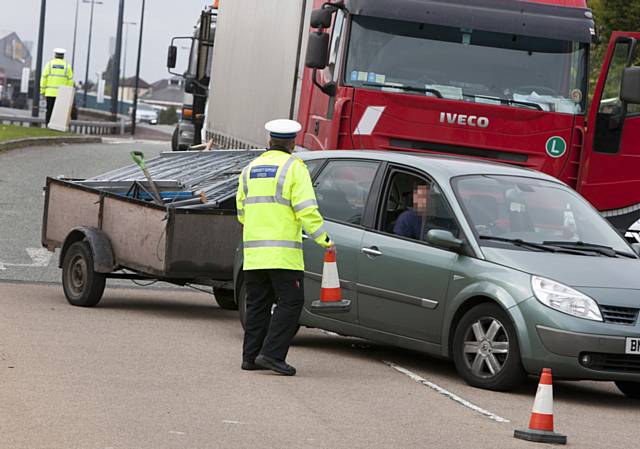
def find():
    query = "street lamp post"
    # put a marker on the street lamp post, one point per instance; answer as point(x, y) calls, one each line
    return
point(124, 57)
point(115, 84)
point(35, 109)
point(75, 35)
point(86, 76)
point(126, 39)
point(135, 90)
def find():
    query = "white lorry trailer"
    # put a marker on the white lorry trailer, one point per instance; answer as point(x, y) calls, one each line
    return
point(264, 37)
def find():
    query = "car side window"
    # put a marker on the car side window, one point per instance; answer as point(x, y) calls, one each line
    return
point(413, 206)
point(313, 165)
point(342, 189)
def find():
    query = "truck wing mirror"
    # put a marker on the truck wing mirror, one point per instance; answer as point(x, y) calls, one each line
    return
point(321, 18)
point(630, 89)
point(317, 50)
point(172, 56)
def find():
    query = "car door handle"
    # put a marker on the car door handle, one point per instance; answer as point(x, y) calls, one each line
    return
point(372, 251)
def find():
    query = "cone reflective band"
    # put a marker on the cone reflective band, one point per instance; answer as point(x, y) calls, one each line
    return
point(541, 422)
point(330, 291)
point(542, 413)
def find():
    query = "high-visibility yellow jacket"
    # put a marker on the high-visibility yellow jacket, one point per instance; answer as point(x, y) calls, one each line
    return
point(275, 200)
point(55, 74)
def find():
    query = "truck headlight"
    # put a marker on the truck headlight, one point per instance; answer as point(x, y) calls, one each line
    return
point(565, 299)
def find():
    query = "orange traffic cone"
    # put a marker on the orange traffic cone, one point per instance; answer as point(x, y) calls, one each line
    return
point(541, 423)
point(330, 292)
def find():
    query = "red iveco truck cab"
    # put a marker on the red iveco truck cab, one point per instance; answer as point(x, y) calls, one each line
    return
point(502, 80)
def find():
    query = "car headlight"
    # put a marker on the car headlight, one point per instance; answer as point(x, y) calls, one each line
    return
point(565, 299)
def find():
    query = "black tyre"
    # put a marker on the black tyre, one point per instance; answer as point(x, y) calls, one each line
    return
point(225, 299)
point(242, 302)
point(630, 389)
point(82, 286)
point(485, 349)
point(174, 140)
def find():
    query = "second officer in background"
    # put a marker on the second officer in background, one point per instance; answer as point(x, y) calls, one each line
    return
point(56, 73)
point(275, 200)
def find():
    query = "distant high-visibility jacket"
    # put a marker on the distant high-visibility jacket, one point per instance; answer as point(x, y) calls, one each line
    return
point(55, 74)
point(275, 200)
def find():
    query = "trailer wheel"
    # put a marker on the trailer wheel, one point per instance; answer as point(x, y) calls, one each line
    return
point(82, 286)
point(225, 299)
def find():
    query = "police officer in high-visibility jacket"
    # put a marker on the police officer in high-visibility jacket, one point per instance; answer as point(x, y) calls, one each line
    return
point(55, 74)
point(275, 200)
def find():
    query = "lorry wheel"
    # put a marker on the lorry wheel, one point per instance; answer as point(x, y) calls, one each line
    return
point(82, 286)
point(485, 349)
point(174, 140)
point(630, 389)
point(225, 299)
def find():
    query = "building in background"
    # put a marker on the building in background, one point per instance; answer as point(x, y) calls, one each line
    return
point(166, 93)
point(15, 55)
point(127, 88)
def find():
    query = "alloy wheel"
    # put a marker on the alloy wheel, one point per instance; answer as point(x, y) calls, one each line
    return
point(486, 347)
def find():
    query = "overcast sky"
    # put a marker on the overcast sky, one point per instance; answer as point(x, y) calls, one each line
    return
point(163, 19)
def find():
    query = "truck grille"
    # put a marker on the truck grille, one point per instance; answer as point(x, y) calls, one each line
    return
point(619, 315)
point(612, 362)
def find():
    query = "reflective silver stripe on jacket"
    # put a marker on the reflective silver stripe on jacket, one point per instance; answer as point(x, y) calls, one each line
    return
point(240, 213)
point(281, 180)
point(302, 206)
point(318, 233)
point(279, 197)
point(260, 200)
point(273, 244)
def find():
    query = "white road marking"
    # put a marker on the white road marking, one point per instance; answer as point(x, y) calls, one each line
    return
point(228, 421)
point(175, 432)
point(446, 393)
point(40, 258)
point(369, 120)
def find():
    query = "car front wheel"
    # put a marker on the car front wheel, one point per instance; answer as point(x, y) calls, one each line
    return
point(630, 389)
point(485, 349)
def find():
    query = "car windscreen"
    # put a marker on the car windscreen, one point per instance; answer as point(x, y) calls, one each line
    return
point(467, 65)
point(531, 210)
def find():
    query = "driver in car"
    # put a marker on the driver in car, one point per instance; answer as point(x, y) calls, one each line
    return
point(410, 222)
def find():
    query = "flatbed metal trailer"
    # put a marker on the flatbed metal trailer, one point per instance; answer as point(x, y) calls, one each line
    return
point(103, 234)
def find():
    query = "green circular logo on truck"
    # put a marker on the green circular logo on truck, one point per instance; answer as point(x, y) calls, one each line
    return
point(556, 146)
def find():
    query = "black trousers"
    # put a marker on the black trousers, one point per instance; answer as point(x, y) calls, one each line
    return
point(266, 334)
point(51, 101)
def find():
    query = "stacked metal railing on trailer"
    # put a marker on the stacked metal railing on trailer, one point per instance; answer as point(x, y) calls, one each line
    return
point(194, 180)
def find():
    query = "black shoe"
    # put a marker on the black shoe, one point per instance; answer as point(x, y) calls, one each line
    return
point(250, 366)
point(278, 366)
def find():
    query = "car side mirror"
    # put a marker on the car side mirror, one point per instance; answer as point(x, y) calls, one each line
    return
point(444, 240)
point(172, 56)
point(636, 248)
point(630, 88)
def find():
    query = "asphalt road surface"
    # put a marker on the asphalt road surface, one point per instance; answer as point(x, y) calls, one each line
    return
point(159, 367)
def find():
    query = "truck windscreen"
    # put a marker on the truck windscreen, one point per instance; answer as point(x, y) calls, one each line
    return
point(467, 65)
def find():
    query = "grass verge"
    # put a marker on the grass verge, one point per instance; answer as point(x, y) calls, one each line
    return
point(12, 132)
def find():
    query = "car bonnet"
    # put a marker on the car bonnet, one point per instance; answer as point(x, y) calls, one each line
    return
point(572, 270)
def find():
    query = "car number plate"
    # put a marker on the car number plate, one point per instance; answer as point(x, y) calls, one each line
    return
point(633, 346)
